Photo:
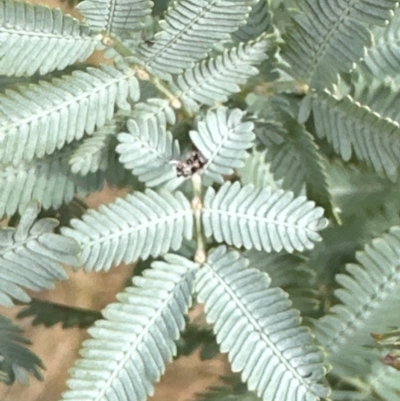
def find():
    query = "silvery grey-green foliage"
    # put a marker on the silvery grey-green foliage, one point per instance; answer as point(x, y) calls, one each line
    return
point(44, 117)
point(257, 171)
point(131, 345)
point(156, 108)
point(31, 256)
point(223, 139)
point(36, 38)
point(295, 159)
point(369, 293)
point(259, 330)
point(185, 35)
point(140, 225)
point(328, 36)
point(215, 79)
point(261, 218)
point(48, 180)
point(258, 22)
point(92, 154)
point(225, 121)
point(382, 57)
point(358, 129)
point(381, 97)
point(148, 150)
point(384, 382)
point(115, 16)
point(291, 273)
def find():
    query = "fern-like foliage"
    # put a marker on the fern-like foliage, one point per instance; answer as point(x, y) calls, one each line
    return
point(295, 159)
point(48, 181)
point(282, 159)
point(257, 171)
point(215, 79)
point(36, 38)
point(92, 154)
point(222, 145)
point(261, 218)
point(133, 342)
point(291, 273)
point(381, 98)
point(384, 382)
point(156, 108)
point(358, 191)
point(259, 330)
point(351, 127)
point(31, 256)
point(258, 22)
point(185, 35)
point(148, 150)
point(15, 359)
point(329, 36)
point(382, 58)
point(369, 294)
point(141, 225)
point(49, 314)
point(223, 138)
point(313, 167)
point(42, 118)
point(115, 16)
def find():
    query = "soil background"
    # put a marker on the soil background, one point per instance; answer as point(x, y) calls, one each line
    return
point(58, 348)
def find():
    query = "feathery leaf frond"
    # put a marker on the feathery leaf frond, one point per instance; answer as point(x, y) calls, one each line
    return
point(31, 256)
point(257, 171)
point(259, 330)
point(358, 191)
point(92, 154)
point(131, 345)
point(147, 150)
point(115, 16)
point(382, 58)
point(282, 159)
point(139, 226)
point(37, 38)
point(289, 272)
point(214, 80)
point(296, 160)
point(370, 296)
point(261, 218)
point(189, 31)
point(380, 98)
point(258, 22)
point(328, 36)
point(156, 108)
point(223, 138)
point(384, 382)
point(47, 180)
point(37, 120)
point(284, 269)
point(16, 359)
point(352, 127)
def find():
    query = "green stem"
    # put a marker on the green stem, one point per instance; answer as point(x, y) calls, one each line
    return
point(197, 206)
point(175, 102)
point(118, 46)
point(271, 88)
point(142, 74)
